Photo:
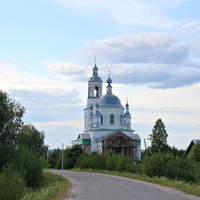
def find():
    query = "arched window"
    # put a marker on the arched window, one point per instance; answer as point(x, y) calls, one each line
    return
point(101, 119)
point(96, 91)
point(121, 120)
point(112, 119)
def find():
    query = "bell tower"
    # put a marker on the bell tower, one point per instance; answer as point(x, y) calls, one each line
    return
point(94, 93)
point(94, 87)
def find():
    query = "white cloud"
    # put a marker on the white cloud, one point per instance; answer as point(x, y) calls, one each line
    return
point(195, 46)
point(179, 107)
point(78, 123)
point(44, 98)
point(47, 96)
point(134, 12)
point(69, 71)
point(15, 76)
point(190, 24)
point(154, 60)
point(141, 48)
point(151, 75)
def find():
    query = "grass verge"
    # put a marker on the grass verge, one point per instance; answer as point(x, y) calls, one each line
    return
point(188, 188)
point(53, 187)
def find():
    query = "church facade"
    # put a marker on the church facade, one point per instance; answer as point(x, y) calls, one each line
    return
point(107, 124)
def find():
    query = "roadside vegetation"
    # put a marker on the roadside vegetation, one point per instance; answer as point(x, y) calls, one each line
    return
point(23, 157)
point(53, 187)
point(164, 165)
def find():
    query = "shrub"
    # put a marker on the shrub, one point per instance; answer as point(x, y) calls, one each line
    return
point(122, 162)
point(12, 184)
point(29, 161)
point(172, 167)
point(84, 161)
point(97, 161)
point(134, 168)
point(156, 164)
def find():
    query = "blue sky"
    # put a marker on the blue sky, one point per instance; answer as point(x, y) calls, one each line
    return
point(152, 48)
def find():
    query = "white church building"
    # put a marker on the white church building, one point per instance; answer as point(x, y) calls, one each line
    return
point(107, 124)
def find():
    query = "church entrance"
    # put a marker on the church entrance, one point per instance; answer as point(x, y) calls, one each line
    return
point(118, 143)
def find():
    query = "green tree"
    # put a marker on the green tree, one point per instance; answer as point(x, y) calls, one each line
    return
point(158, 137)
point(30, 154)
point(176, 152)
point(31, 138)
point(70, 156)
point(55, 153)
point(53, 157)
point(195, 153)
point(11, 113)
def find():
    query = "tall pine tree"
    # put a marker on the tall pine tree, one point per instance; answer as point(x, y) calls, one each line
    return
point(158, 137)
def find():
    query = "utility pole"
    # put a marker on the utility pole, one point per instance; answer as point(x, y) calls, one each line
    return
point(62, 156)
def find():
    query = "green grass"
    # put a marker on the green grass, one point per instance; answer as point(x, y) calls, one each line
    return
point(188, 188)
point(53, 187)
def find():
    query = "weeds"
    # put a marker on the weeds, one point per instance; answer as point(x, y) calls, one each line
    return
point(53, 187)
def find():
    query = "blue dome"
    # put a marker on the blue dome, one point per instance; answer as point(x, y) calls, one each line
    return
point(95, 67)
point(110, 100)
point(97, 114)
point(95, 78)
point(109, 80)
point(127, 115)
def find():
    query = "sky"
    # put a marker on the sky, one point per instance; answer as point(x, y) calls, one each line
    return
point(151, 47)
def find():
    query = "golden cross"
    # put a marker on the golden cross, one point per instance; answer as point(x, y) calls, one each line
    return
point(109, 73)
point(95, 60)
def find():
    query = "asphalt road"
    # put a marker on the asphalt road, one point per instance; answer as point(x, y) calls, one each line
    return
point(91, 186)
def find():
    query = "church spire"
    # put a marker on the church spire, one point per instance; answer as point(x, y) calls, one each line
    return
point(109, 81)
point(127, 114)
point(95, 68)
point(127, 105)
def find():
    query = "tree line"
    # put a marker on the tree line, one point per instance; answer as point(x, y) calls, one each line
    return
point(162, 159)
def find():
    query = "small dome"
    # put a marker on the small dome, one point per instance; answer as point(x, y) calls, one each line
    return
point(95, 68)
point(110, 100)
point(127, 115)
point(109, 80)
point(95, 78)
point(97, 114)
